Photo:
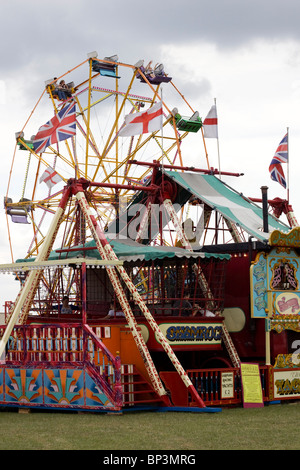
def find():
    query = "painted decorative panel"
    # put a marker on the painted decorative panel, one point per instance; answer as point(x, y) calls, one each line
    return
point(55, 388)
point(23, 386)
point(64, 387)
point(275, 281)
point(94, 395)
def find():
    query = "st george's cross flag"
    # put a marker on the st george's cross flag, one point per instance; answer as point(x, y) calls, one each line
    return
point(50, 177)
point(281, 156)
point(210, 123)
point(142, 123)
point(60, 127)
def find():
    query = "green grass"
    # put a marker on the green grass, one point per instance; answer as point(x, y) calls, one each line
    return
point(274, 427)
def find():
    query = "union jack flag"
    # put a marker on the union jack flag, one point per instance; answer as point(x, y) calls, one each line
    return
point(277, 174)
point(60, 127)
point(281, 156)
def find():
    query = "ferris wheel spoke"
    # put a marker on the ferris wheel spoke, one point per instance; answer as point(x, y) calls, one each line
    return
point(88, 136)
point(119, 111)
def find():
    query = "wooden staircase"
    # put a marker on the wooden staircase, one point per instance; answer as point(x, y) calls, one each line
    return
point(137, 391)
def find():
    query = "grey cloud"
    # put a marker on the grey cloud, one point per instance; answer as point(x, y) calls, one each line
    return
point(45, 40)
point(36, 30)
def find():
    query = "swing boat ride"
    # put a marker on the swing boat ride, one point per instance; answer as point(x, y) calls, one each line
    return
point(109, 218)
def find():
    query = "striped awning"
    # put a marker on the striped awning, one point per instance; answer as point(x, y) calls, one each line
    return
point(231, 204)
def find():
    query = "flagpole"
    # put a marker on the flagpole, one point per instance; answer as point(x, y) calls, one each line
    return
point(162, 162)
point(288, 167)
point(162, 134)
point(219, 163)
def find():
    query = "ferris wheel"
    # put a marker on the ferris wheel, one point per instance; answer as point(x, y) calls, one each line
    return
point(78, 129)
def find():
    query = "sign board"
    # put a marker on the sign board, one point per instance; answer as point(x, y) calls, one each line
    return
point(183, 334)
point(286, 384)
point(251, 386)
point(227, 385)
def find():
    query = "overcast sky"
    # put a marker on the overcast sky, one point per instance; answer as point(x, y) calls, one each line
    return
point(246, 54)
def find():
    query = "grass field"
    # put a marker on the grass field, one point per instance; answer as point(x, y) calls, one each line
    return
point(274, 427)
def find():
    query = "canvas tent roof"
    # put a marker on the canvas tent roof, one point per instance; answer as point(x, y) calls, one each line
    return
point(232, 205)
point(129, 250)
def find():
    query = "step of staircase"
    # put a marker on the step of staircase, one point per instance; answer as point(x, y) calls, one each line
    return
point(136, 389)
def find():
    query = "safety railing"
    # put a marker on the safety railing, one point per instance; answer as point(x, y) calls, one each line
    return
point(59, 345)
point(224, 386)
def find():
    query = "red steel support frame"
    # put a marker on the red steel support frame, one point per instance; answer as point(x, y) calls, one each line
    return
point(101, 242)
point(157, 164)
point(27, 292)
point(83, 290)
point(106, 252)
point(203, 282)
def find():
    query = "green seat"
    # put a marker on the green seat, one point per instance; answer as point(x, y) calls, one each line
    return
point(29, 144)
point(192, 124)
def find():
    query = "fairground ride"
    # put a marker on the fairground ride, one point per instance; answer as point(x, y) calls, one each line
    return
point(106, 217)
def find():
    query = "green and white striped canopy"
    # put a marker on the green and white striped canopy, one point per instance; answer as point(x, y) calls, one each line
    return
point(232, 205)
